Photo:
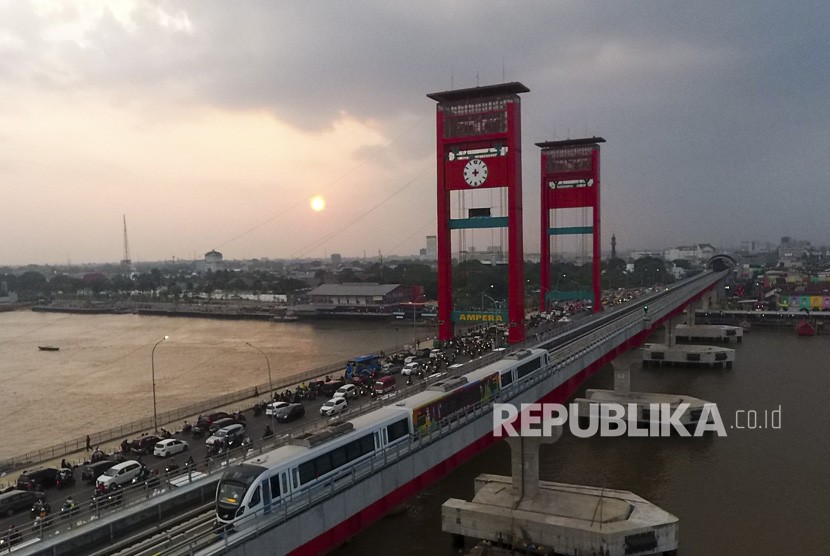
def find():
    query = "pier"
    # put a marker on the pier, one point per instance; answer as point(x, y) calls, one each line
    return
point(524, 514)
point(658, 355)
point(708, 332)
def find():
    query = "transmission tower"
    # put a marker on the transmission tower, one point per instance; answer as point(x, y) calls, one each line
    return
point(126, 263)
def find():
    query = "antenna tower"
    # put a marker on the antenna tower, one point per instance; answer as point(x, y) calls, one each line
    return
point(126, 262)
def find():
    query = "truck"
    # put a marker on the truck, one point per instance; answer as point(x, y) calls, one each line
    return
point(363, 365)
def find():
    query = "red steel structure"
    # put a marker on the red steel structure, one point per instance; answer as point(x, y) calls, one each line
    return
point(570, 179)
point(479, 146)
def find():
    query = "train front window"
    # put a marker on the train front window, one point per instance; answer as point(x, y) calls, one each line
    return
point(231, 493)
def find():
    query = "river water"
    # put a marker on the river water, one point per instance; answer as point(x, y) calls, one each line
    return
point(102, 375)
point(760, 491)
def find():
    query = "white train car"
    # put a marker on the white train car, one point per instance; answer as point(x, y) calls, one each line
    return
point(256, 486)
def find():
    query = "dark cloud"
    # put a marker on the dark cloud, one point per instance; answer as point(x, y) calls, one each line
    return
point(715, 113)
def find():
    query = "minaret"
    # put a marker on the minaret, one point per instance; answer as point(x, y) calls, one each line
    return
point(613, 246)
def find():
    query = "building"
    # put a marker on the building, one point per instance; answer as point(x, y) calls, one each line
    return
point(696, 254)
point(361, 295)
point(336, 259)
point(213, 261)
point(790, 252)
point(432, 248)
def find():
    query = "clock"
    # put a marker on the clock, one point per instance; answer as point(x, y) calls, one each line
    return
point(475, 172)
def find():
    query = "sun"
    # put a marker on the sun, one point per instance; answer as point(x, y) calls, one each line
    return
point(317, 203)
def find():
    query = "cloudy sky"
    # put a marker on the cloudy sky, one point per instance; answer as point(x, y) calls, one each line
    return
point(211, 125)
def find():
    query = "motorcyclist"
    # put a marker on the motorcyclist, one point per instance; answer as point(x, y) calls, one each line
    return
point(68, 506)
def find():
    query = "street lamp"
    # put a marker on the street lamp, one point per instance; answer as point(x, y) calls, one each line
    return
point(483, 295)
point(153, 371)
point(268, 364)
point(270, 382)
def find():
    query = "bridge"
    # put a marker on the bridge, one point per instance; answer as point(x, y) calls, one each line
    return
point(321, 517)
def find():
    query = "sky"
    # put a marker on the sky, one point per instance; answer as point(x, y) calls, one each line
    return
point(211, 125)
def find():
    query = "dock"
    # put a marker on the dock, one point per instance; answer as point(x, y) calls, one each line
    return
point(659, 355)
point(708, 332)
point(647, 413)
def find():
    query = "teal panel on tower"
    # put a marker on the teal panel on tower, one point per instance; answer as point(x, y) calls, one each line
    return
point(570, 230)
point(568, 296)
point(478, 222)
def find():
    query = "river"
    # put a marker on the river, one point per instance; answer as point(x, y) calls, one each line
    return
point(102, 374)
point(760, 491)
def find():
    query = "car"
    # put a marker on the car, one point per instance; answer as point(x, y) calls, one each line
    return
point(333, 407)
point(348, 391)
point(411, 359)
point(228, 436)
point(290, 413)
point(92, 471)
point(204, 421)
point(170, 446)
point(144, 444)
point(38, 478)
point(274, 407)
point(411, 368)
point(221, 424)
point(435, 353)
point(119, 474)
point(17, 500)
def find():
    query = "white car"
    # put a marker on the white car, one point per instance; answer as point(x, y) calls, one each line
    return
point(333, 407)
point(274, 407)
point(412, 368)
point(120, 474)
point(435, 353)
point(169, 446)
point(347, 391)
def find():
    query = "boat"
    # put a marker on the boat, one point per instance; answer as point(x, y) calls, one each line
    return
point(48, 348)
point(805, 328)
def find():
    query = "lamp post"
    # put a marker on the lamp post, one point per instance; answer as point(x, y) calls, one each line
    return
point(153, 371)
point(268, 364)
point(270, 381)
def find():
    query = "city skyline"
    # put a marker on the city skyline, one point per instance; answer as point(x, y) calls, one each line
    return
point(215, 128)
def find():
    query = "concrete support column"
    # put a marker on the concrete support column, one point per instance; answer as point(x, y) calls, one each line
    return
point(622, 379)
point(668, 327)
point(524, 462)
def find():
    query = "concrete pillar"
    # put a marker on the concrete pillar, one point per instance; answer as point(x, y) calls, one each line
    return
point(524, 462)
point(668, 328)
point(690, 312)
point(622, 379)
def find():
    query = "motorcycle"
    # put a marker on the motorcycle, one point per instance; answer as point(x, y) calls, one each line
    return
point(187, 427)
point(11, 538)
point(166, 433)
point(40, 507)
point(65, 478)
point(69, 507)
point(41, 521)
point(106, 498)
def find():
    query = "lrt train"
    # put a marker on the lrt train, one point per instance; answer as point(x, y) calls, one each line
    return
point(258, 486)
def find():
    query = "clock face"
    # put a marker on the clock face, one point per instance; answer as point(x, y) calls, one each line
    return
point(475, 172)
